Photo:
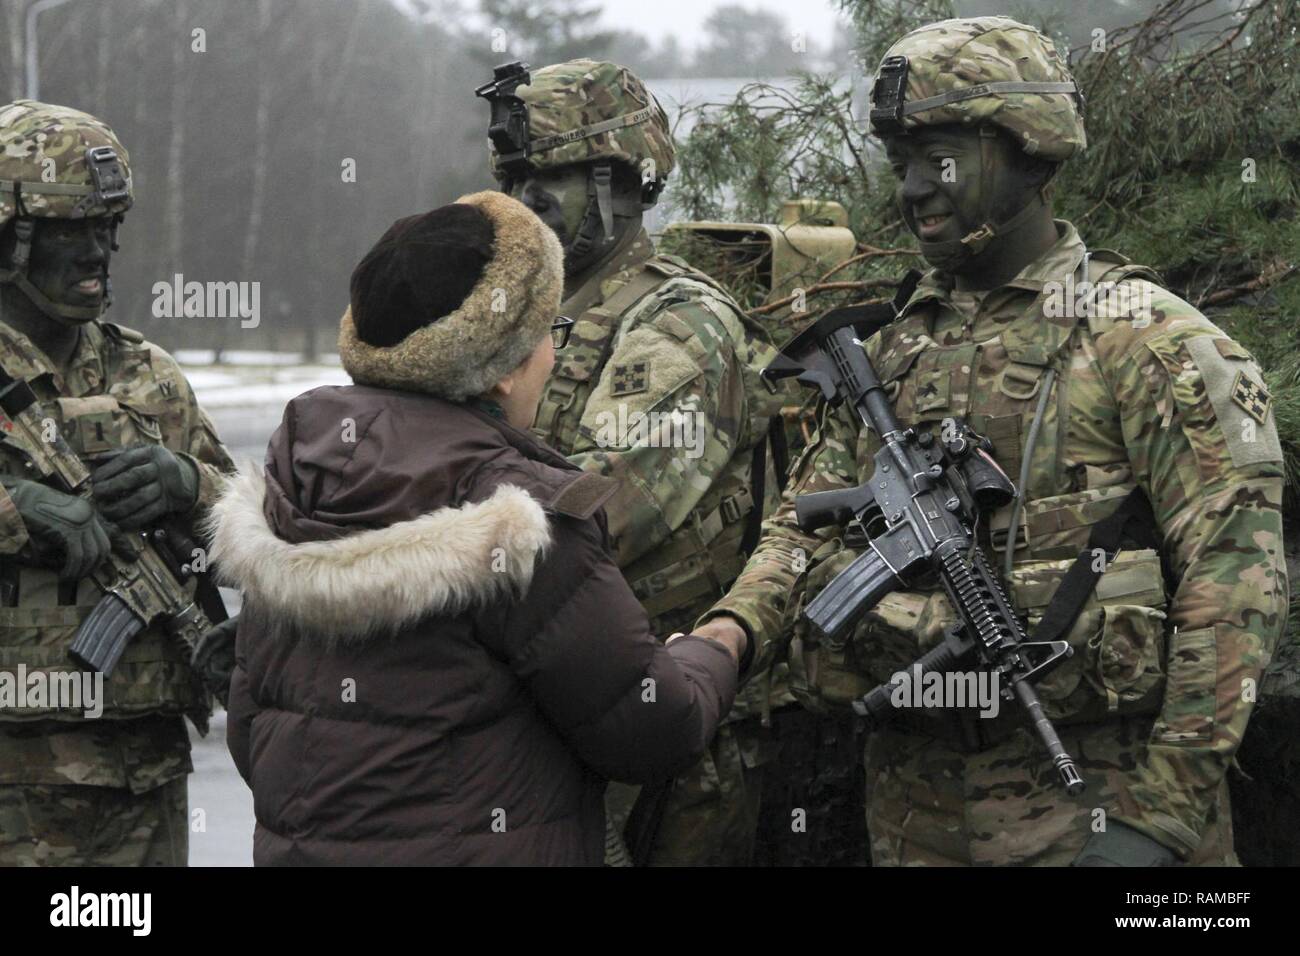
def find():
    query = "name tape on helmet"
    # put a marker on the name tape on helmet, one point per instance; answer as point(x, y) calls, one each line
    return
point(890, 104)
point(984, 89)
point(595, 129)
point(46, 189)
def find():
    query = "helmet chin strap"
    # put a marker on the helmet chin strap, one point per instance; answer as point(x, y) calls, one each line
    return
point(70, 315)
point(951, 254)
point(598, 220)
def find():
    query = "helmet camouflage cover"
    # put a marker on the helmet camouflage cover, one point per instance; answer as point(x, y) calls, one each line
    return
point(69, 164)
point(587, 111)
point(982, 70)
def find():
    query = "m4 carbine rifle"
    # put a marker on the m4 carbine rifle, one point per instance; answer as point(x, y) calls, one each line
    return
point(918, 511)
point(139, 591)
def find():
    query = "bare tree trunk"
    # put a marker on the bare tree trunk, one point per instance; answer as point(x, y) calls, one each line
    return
point(261, 131)
point(103, 58)
point(334, 61)
point(137, 46)
point(14, 23)
point(437, 72)
point(261, 140)
point(175, 215)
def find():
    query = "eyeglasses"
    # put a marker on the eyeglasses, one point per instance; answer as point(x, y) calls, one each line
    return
point(561, 329)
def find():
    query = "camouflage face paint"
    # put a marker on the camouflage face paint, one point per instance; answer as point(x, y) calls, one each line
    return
point(939, 183)
point(69, 263)
point(558, 197)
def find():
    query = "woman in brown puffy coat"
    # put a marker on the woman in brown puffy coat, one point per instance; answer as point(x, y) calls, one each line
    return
point(438, 661)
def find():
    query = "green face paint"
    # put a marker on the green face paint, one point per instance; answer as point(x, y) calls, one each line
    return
point(939, 182)
point(558, 197)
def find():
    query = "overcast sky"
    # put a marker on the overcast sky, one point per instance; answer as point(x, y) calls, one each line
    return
point(685, 18)
point(817, 19)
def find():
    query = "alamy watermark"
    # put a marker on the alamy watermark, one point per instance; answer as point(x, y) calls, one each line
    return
point(133, 911)
point(60, 690)
point(179, 299)
point(677, 428)
point(947, 690)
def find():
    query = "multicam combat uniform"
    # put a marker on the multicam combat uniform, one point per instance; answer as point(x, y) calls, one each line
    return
point(1156, 696)
point(122, 775)
point(654, 336)
point(107, 789)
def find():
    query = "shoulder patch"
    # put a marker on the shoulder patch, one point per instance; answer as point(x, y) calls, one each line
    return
point(1241, 402)
point(1251, 396)
point(630, 379)
point(581, 497)
point(620, 394)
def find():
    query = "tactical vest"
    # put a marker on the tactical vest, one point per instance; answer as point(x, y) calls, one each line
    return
point(42, 614)
point(682, 577)
point(1118, 661)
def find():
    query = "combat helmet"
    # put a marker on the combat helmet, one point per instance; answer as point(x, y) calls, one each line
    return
point(57, 163)
point(987, 72)
point(583, 111)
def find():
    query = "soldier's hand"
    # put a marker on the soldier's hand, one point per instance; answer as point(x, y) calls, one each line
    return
point(214, 659)
point(66, 531)
point(1120, 845)
point(138, 486)
point(726, 631)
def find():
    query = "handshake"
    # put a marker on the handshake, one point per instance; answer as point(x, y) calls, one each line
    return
point(725, 631)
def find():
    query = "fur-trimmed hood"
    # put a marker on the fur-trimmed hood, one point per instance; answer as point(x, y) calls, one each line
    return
point(379, 580)
point(379, 507)
point(506, 314)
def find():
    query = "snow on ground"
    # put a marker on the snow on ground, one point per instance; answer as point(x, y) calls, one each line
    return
point(270, 383)
point(245, 357)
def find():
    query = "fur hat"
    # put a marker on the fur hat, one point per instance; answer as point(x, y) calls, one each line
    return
point(453, 301)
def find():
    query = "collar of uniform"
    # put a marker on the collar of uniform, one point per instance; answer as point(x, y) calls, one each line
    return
point(25, 361)
point(595, 290)
point(1061, 260)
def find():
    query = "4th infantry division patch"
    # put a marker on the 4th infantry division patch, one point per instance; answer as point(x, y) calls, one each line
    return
point(1251, 396)
point(630, 379)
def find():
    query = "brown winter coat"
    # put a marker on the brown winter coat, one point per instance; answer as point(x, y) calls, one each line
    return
point(438, 661)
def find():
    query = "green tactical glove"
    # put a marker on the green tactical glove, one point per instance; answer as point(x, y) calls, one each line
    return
point(66, 531)
point(1121, 845)
point(138, 486)
point(214, 659)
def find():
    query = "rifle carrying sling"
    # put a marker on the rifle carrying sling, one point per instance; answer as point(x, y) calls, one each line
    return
point(1134, 521)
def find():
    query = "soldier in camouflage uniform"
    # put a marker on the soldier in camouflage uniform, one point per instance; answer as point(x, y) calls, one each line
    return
point(1083, 404)
point(656, 338)
point(75, 790)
